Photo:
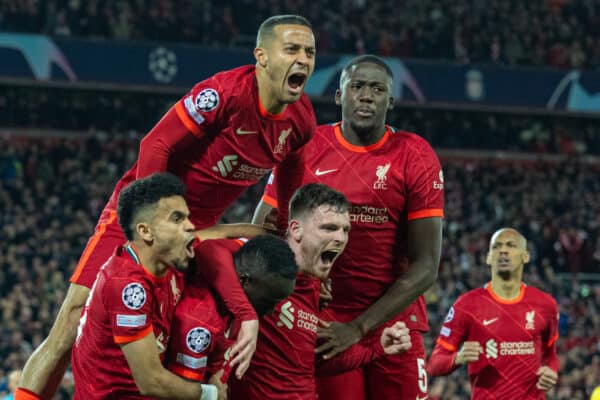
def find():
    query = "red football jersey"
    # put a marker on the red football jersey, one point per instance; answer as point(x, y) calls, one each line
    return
point(126, 303)
point(283, 366)
point(517, 338)
point(231, 143)
point(389, 183)
point(201, 332)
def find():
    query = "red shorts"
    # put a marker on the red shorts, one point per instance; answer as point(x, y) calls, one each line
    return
point(398, 377)
point(107, 236)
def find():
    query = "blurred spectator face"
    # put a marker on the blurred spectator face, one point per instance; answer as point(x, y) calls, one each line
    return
point(508, 254)
point(365, 96)
point(288, 57)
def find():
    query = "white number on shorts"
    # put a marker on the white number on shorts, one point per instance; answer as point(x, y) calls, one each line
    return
point(422, 375)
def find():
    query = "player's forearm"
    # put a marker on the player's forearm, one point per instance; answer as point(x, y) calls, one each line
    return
point(163, 384)
point(224, 231)
point(355, 357)
point(419, 277)
point(292, 168)
point(224, 280)
point(550, 358)
point(441, 362)
point(158, 145)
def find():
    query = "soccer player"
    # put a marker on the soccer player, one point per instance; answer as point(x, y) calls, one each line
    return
point(127, 318)
point(394, 182)
point(283, 366)
point(220, 138)
point(505, 331)
point(266, 269)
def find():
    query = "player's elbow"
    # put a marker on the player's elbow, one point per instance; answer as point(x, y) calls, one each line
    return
point(429, 274)
point(149, 384)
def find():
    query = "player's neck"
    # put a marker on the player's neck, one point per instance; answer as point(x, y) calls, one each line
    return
point(507, 290)
point(266, 94)
point(361, 138)
point(303, 268)
point(148, 259)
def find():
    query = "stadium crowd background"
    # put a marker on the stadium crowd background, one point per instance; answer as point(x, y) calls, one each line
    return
point(52, 188)
point(560, 33)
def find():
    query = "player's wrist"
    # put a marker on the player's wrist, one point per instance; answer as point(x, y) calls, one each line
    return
point(209, 392)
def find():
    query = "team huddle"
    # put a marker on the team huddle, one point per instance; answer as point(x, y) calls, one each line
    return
point(322, 295)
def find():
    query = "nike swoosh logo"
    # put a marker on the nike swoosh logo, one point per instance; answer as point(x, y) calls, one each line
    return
point(489, 321)
point(318, 172)
point(422, 398)
point(240, 131)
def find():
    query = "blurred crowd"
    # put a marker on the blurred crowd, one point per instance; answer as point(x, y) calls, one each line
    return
point(80, 110)
point(53, 189)
point(558, 33)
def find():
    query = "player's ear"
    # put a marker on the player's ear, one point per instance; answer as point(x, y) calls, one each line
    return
point(525, 257)
point(144, 231)
point(261, 56)
point(295, 230)
point(391, 105)
point(338, 97)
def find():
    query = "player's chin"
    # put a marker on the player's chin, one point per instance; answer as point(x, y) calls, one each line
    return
point(291, 97)
point(182, 264)
point(322, 272)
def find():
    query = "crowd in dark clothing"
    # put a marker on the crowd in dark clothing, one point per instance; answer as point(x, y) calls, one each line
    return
point(77, 110)
point(53, 189)
point(558, 33)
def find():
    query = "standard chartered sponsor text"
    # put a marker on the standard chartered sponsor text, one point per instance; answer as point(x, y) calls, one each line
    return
point(368, 214)
point(307, 321)
point(250, 173)
point(516, 348)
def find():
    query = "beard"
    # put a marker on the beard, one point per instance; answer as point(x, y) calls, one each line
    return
point(504, 275)
point(180, 265)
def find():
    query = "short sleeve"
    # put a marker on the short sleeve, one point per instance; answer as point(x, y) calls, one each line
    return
point(425, 181)
point(454, 328)
point(191, 339)
point(550, 335)
point(129, 304)
point(201, 108)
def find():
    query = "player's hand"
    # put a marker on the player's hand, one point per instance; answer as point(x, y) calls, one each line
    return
point(469, 352)
point(547, 378)
point(243, 349)
point(325, 295)
point(396, 339)
point(221, 387)
point(338, 337)
point(270, 222)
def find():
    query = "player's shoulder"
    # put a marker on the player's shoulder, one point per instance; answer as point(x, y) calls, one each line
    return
point(325, 133)
point(541, 296)
point(122, 268)
point(226, 83)
point(407, 138)
point(466, 299)
point(302, 112)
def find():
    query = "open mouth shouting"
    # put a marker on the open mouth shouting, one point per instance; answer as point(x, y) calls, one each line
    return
point(189, 247)
point(329, 256)
point(295, 82)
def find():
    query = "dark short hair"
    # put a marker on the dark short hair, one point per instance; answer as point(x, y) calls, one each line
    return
point(144, 194)
point(367, 58)
point(266, 28)
point(266, 255)
point(309, 197)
